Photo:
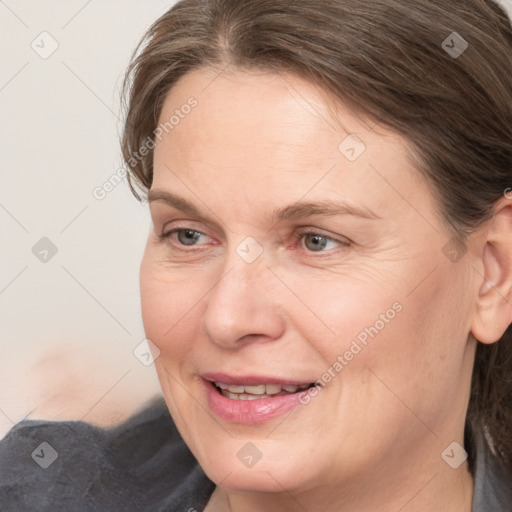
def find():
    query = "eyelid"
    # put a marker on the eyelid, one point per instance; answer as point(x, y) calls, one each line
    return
point(176, 225)
point(160, 211)
point(315, 231)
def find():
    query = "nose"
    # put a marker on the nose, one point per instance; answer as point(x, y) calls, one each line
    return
point(244, 307)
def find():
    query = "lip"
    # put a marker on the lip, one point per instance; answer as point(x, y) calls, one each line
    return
point(248, 412)
point(250, 380)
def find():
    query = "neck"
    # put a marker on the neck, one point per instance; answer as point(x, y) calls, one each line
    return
point(422, 488)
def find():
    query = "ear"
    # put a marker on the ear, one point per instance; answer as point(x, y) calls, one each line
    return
point(493, 308)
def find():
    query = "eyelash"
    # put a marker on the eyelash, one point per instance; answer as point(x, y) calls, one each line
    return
point(298, 236)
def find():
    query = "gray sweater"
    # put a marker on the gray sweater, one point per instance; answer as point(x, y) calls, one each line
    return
point(143, 465)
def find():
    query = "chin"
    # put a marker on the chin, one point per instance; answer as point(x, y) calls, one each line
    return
point(244, 465)
point(254, 479)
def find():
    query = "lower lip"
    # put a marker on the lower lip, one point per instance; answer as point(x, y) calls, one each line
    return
point(249, 412)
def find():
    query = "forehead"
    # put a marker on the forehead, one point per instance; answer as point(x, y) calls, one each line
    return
point(262, 113)
point(255, 132)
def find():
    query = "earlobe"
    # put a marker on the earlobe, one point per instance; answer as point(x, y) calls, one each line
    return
point(493, 308)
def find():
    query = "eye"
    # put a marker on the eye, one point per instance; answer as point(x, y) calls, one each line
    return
point(312, 241)
point(183, 236)
point(317, 242)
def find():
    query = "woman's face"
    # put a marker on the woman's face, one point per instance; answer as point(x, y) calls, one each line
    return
point(300, 250)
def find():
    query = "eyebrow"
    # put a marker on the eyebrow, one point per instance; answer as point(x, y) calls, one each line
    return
point(299, 210)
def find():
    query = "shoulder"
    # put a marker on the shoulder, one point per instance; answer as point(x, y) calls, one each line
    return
point(142, 464)
point(492, 479)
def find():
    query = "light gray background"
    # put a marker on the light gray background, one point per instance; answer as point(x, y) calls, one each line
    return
point(69, 325)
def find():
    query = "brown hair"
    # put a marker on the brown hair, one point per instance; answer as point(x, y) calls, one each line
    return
point(390, 60)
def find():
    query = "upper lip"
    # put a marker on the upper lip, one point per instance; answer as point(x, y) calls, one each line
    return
point(251, 380)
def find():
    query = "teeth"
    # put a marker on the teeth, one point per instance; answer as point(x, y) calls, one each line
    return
point(243, 396)
point(255, 390)
point(252, 397)
point(259, 391)
point(236, 389)
point(273, 389)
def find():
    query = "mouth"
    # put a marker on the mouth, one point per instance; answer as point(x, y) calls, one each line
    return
point(251, 400)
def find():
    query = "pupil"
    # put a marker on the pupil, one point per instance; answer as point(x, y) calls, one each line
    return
point(188, 236)
point(317, 242)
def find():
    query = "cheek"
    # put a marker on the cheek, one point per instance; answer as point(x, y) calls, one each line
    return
point(410, 336)
point(417, 358)
point(169, 307)
point(344, 313)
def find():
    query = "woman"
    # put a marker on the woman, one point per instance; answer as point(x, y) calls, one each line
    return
point(327, 283)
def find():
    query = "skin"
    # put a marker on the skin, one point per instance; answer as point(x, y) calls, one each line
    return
point(372, 439)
